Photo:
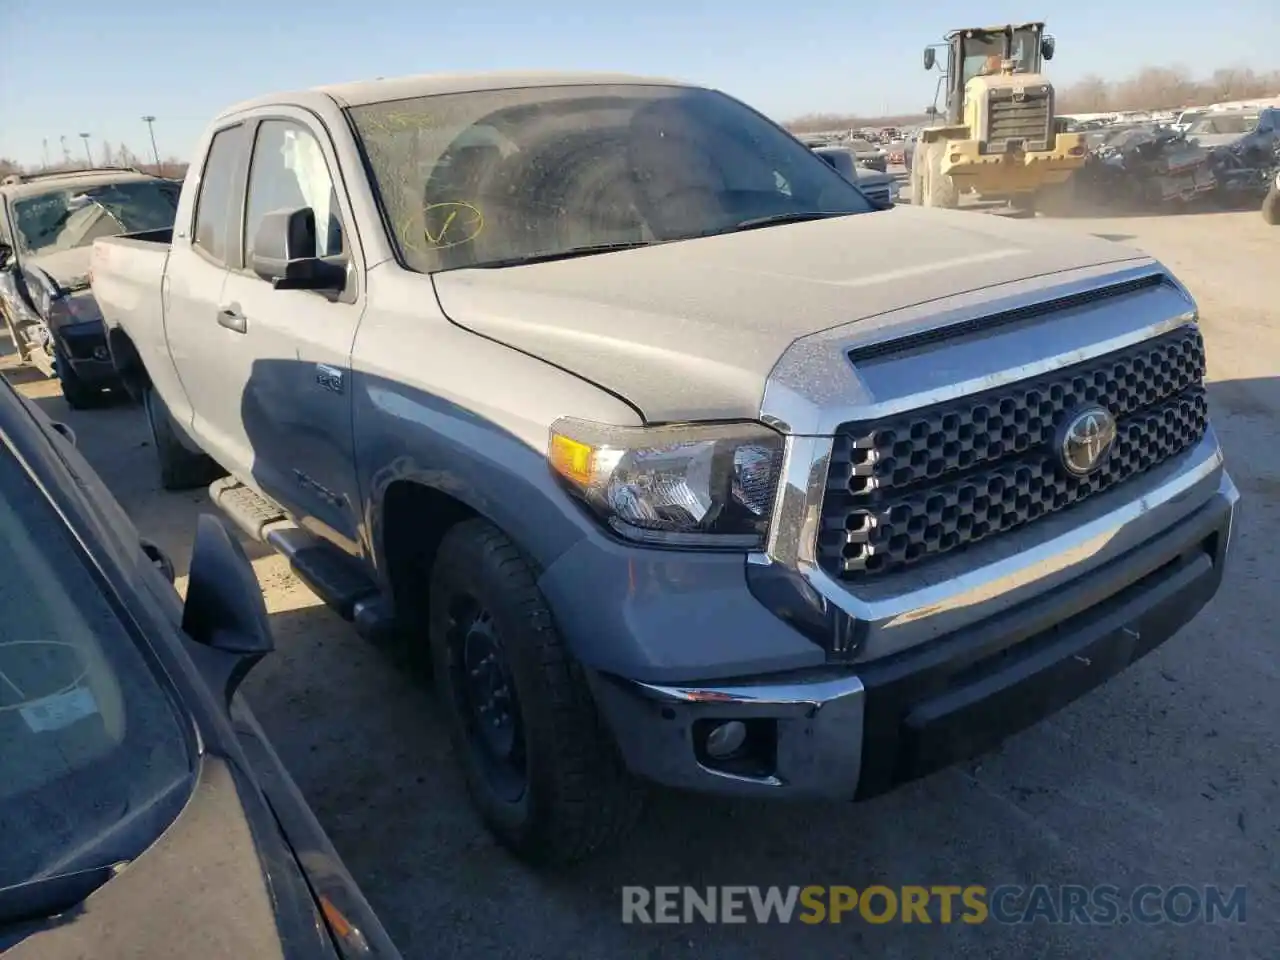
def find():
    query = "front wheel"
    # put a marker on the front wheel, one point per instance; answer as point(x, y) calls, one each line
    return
point(78, 394)
point(538, 761)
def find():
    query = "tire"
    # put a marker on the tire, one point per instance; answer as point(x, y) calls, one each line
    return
point(180, 469)
point(916, 175)
point(1271, 206)
point(938, 190)
point(555, 790)
point(78, 394)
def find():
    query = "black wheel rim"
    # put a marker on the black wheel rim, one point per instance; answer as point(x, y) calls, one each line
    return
point(486, 697)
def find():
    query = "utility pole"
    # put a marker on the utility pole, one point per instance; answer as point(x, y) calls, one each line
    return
point(150, 121)
point(87, 155)
point(44, 154)
point(66, 153)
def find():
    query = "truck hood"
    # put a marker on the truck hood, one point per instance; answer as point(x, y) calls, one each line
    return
point(690, 330)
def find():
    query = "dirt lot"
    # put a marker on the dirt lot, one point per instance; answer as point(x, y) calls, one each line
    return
point(1169, 774)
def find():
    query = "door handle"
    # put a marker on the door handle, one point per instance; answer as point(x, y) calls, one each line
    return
point(231, 318)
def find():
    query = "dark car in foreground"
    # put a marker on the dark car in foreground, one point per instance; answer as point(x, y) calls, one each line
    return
point(48, 222)
point(143, 812)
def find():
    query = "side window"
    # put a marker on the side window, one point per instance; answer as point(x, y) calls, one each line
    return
point(288, 171)
point(217, 184)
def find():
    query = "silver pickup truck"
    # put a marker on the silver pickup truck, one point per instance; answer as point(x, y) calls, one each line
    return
point(685, 462)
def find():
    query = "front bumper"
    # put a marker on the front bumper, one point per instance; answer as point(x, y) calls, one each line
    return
point(856, 732)
point(85, 346)
point(964, 161)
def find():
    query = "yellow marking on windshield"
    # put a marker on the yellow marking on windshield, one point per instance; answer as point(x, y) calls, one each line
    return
point(460, 223)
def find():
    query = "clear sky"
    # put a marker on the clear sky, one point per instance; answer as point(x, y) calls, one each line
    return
point(97, 66)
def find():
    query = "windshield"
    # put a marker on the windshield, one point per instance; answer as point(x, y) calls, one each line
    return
point(984, 52)
point(1226, 124)
point(504, 175)
point(73, 217)
point(89, 740)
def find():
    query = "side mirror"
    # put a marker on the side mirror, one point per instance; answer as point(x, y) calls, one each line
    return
point(67, 433)
point(1047, 46)
point(931, 111)
point(160, 559)
point(929, 58)
point(284, 253)
point(224, 611)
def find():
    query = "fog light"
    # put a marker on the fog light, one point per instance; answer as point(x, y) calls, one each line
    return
point(726, 739)
point(99, 353)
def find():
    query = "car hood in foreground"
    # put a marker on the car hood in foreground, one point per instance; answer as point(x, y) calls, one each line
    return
point(200, 893)
point(690, 330)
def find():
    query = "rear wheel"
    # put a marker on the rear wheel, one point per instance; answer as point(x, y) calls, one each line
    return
point(538, 760)
point(180, 468)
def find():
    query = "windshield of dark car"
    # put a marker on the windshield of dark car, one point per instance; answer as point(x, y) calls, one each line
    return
point(71, 217)
point(89, 737)
point(495, 176)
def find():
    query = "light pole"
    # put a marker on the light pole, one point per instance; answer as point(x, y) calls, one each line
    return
point(87, 154)
point(149, 121)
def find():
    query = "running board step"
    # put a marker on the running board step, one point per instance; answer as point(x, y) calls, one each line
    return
point(248, 509)
point(338, 579)
point(335, 577)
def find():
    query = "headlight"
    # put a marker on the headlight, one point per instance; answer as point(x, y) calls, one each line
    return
point(707, 486)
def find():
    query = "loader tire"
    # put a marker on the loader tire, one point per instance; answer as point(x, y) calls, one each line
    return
point(939, 189)
point(1271, 206)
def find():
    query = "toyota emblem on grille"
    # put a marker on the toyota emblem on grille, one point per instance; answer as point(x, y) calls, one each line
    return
point(1085, 440)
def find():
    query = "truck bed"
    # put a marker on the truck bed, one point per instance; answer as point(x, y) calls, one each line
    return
point(127, 274)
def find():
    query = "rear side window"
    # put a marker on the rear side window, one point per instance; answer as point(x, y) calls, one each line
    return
point(217, 184)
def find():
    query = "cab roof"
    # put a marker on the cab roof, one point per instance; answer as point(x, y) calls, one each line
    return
point(999, 28)
point(381, 90)
point(32, 184)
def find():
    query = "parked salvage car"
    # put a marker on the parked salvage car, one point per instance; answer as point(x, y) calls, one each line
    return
point(868, 154)
point(48, 222)
point(144, 812)
point(1250, 133)
point(876, 184)
point(686, 461)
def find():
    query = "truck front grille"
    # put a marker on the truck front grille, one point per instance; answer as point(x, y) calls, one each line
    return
point(917, 485)
point(1020, 114)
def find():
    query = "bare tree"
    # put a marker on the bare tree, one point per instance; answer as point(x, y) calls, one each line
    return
point(1166, 88)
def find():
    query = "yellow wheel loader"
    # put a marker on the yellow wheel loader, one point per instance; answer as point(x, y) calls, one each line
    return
point(999, 139)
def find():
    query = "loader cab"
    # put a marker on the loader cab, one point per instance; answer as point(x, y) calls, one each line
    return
point(988, 51)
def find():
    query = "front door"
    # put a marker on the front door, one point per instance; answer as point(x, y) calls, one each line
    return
point(290, 352)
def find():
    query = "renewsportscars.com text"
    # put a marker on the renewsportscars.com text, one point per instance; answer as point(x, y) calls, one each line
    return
point(972, 904)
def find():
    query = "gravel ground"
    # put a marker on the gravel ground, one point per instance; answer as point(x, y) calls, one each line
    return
point(1168, 774)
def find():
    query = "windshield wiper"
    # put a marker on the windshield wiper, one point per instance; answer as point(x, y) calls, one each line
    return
point(774, 219)
point(569, 253)
point(48, 896)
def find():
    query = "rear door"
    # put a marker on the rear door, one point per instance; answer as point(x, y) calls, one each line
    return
point(288, 363)
point(204, 248)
